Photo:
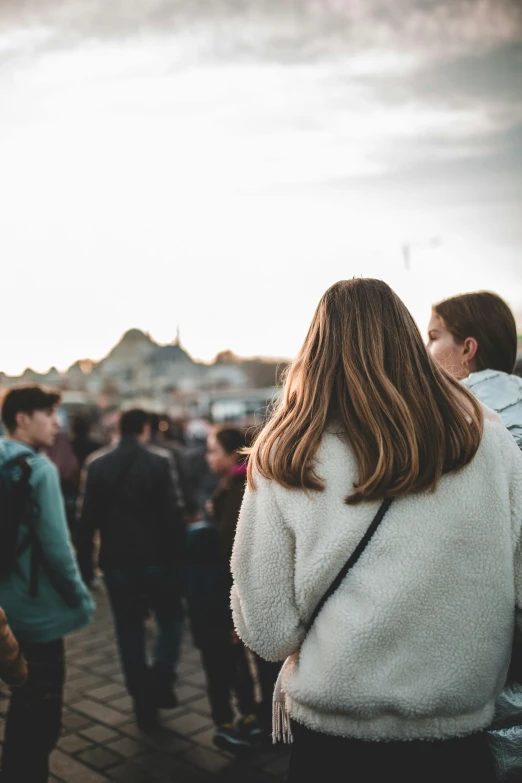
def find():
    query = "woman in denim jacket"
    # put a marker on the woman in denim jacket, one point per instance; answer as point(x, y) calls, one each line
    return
point(474, 337)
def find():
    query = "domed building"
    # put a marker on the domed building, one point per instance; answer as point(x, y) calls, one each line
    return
point(171, 367)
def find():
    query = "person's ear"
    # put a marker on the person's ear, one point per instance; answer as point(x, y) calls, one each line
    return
point(470, 349)
point(21, 420)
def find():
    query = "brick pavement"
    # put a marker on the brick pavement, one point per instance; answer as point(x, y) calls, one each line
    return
point(101, 742)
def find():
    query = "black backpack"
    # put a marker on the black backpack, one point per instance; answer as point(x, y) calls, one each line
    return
point(16, 507)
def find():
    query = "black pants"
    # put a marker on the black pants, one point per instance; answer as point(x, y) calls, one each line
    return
point(227, 671)
point(34, 717)
point(268, 672)
point(318, 756)
point(132, 593)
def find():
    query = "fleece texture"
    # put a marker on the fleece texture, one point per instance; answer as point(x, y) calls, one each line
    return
point(416, 642)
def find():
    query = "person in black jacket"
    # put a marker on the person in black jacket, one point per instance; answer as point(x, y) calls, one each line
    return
point(130, 498)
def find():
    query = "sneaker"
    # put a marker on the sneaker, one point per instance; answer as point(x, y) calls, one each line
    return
point(249, 727)
point(146, 714)
point(227, 737)
point(167, 699)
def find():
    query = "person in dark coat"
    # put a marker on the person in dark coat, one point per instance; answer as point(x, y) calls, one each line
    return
point(82, 442)
point(130, 498)
point(62, 455)
point(201, 482)
point(207, 590)
point(224, 457)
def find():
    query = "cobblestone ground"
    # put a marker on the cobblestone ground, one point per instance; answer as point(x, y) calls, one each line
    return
point(101, 742)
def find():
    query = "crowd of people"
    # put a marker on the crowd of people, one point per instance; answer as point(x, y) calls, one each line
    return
point(352, 575)
point(152, 516)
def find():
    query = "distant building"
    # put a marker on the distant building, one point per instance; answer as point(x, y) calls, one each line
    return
point(138, 371)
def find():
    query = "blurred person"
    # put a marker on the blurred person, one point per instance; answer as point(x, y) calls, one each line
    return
point(169, 432)
point(82, 442)
point(200, 480)
point(130, 498)
point(224, 657)
point(112, 437)
point(206, 591)
point(174, 454)
point(398, 674)
point(63, 456)
point(474, 337)
point(156, 448)
point(175, 433)
point(41, 590)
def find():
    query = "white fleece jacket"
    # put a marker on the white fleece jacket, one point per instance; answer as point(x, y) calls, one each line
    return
point(416, 641)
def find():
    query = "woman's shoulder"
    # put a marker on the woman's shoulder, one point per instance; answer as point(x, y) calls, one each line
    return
point(498, 390)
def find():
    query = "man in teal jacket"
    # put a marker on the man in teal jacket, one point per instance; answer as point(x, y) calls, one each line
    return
point(43, 596)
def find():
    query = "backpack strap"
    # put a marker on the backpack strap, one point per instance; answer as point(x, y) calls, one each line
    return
point(25, 511)
point(31, 540)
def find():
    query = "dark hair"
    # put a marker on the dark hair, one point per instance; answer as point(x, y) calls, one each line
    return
point(133, 422)
point(27, 399)
point(488, 319)
point(230, 439)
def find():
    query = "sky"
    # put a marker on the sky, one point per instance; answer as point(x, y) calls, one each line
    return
point(217, 164)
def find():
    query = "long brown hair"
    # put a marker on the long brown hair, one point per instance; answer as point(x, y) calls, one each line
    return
point(363, 364)
point(486, 317)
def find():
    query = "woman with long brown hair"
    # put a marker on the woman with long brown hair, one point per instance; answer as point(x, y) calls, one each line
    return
point(380, 461)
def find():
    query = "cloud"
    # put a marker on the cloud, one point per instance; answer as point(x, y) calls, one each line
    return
point(284, 30)
point(457, 58)
point(410, 93)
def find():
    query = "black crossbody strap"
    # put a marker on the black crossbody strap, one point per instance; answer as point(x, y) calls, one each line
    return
point(354, 557)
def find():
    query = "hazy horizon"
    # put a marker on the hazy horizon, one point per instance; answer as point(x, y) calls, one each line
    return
point(97, 361)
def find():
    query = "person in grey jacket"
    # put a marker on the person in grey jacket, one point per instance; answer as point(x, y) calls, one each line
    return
point(474, 337)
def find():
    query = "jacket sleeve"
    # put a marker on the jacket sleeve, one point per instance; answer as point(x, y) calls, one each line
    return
point(264, 609)
point(13, 667)
point(88, 522)
point(55, 540)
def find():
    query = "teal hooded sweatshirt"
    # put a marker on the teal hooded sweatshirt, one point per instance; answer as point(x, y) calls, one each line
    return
point(50, 614)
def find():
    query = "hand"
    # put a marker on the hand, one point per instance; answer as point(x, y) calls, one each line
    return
point(15, 674)
point(209, 508)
